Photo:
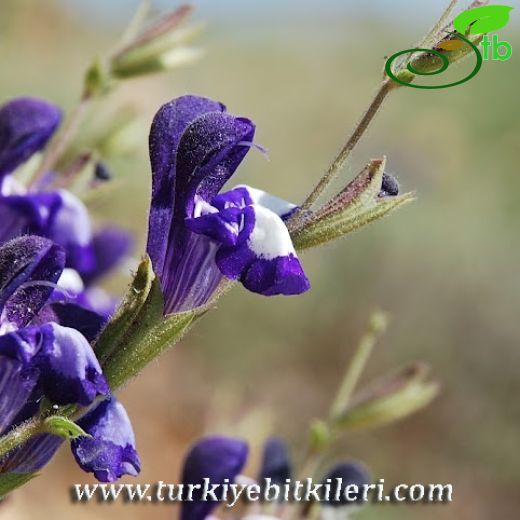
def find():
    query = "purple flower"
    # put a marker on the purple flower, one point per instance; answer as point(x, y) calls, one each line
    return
point(216, 459)
point(350, 473)
point(40, 358)
point(276, 462)
point(110, 453)
point(26, 124)
point(195, 235)
point(57, 215)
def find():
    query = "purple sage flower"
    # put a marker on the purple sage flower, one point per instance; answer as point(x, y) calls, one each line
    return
point(196, 235)
point(26, 125)
point(276, 461)
point(216, 459)
point(110, 453)
point(348, 473)
point(40, 358)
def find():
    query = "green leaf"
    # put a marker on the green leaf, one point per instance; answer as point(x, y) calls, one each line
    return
point(63, 427)
point(127, 318)
point(145, 345)
point(11, 481)
point(355, 206)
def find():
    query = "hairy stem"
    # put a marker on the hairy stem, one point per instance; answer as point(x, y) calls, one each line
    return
point(384, 89)
point(63, 139)
point(20, 434)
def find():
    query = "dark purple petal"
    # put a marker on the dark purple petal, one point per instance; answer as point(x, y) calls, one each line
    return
point(26, 124)
point(216, 459)
point(169, 124)
point(30, 266)
point(110, 453)
point(350, 473)
point(32, 455)
point(110, 246)
point(194, 150)
point(276, 461)
point(85, 321)
point(16, 386)
point(58, 215)
point(70, 371)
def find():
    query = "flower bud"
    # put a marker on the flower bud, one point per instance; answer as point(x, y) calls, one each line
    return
point(161, 47)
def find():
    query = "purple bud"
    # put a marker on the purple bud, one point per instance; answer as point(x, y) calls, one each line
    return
point(276, 462)
point(26, 124)
point(389, 186)
point(216, 459)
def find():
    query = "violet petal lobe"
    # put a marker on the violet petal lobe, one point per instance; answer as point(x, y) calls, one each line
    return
point(276, 461)
point(110, 246)
point(70, 371)
point(16, 384)
point(32, 455)
point(256, 247)
point(168, 125)
point(26, 124)
point(216, 459)
point(58, 215)
point(110, 453)
point(350, 473)
point(30, 266)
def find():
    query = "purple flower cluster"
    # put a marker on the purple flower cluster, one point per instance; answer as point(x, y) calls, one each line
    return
point(221, 460)
point(49, 258)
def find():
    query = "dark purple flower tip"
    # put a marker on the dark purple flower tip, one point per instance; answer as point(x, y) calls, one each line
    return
point(30, 266)
point(350, 473)
point(276, 461)
point(216, 459)
point(26, 124)
point(255, 246)
point(110, 453)
point(67, 314)
point(70, 371)
point(389, 186)
point(110, 246)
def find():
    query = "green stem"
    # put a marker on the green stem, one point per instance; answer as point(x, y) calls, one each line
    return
point(376, 327)
point(384, 89)
point(63, 139)
point(20, 434)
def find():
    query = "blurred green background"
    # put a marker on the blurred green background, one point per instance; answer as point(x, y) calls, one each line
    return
point(444, 267)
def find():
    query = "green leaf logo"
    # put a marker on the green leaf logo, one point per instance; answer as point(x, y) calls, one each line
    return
point(483, 19)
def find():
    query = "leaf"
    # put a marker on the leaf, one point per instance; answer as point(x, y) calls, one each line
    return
point(126, 317)
point(63, 427)
point(11, 481)
point(484, 19)
point(332, 228)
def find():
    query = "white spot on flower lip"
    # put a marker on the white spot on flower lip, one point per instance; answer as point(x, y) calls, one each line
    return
point(276, 204)
point(270, 238)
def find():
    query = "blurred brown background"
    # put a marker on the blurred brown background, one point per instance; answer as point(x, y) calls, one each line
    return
point(445, 267)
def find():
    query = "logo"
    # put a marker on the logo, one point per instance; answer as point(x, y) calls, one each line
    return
point(469, 25)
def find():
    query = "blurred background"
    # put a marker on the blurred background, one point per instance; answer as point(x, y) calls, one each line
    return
point(444, 267)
